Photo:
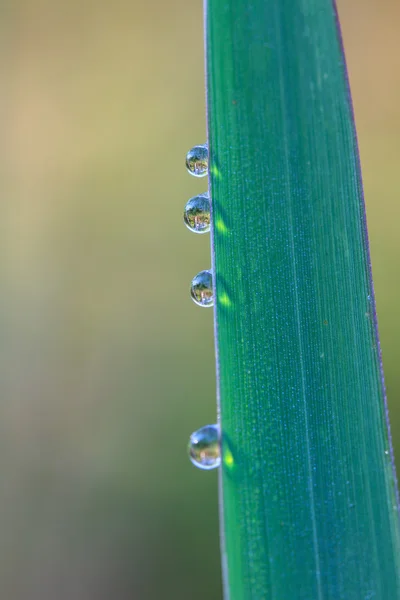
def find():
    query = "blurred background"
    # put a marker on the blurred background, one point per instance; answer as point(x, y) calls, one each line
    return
point(106, 366)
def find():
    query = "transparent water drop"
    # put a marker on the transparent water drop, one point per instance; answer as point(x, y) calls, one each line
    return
point(204, 448)
point(202, 289)
point(197, 161)
point(197, 214)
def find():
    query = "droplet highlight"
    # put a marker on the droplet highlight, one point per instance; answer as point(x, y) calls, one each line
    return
point(204, 448)
point(197, 214)
point(216, 172)
point(197, 161)
point(225, 300)
point(221, 227)
point(201, 289)
point(229, 461)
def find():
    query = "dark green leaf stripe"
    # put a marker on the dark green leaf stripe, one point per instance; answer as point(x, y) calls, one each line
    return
point(308, 494)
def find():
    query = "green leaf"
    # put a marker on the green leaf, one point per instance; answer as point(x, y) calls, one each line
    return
point(308, 491)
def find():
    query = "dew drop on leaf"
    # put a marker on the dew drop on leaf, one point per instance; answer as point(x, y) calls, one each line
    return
point(202, 289)
point(197, 161)
point(204, 448)
point(197, 214)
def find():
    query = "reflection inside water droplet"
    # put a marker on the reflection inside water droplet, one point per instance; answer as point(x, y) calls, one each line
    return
point(202, 289)
point(197, 214)
point(204, 448)
point(197, 161)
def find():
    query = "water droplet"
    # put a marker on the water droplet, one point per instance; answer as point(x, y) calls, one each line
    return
point(197, 214)
point(197, 161)
point(204, 448)
point(202, 289)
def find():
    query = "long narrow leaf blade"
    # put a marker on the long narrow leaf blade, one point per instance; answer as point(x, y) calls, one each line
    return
point(308, 492)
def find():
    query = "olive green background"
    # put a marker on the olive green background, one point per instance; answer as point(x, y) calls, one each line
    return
point(106, 366)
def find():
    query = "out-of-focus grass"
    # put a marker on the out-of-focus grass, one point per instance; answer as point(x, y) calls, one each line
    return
point(106, 366)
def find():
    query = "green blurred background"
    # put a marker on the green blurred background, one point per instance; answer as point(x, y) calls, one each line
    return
point(106, 366)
